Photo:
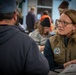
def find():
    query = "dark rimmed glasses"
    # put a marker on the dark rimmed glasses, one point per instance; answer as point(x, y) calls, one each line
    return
point(64, 23)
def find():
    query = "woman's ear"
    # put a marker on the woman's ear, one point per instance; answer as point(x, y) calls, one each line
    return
point(74, 27)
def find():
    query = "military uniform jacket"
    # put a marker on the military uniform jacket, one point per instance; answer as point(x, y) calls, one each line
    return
point(58, 50)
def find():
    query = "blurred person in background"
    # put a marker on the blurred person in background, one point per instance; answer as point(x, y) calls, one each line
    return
point(42, 33)
point(45, 14)
point(63, 7)
point(30, 19)
point(35, 27)
point(19, 23)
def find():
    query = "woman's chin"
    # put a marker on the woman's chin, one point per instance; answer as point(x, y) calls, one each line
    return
point(61, 33)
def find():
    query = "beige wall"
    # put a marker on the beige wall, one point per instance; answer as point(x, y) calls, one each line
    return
point(32, 3)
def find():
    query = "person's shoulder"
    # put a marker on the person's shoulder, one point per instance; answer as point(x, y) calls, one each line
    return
point(29, 13)
point(34, 33)
point(53, 38)
point(32, 14)
point(24, 37)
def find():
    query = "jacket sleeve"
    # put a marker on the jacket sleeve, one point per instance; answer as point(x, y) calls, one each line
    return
point(36, 63)
point(50, 56)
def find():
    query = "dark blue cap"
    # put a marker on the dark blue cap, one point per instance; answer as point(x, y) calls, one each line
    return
point(45, 22)
point(7, 6)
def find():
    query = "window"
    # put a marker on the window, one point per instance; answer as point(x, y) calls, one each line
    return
point(44, 5)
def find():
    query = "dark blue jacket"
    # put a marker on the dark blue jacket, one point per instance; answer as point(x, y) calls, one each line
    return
point(50, 57)
point(19, 54)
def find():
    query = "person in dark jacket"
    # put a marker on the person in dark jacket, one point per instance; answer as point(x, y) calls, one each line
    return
point(30, 19)
point(60, 49)
point(63, 7)
point(19, 54)
point(19, 23)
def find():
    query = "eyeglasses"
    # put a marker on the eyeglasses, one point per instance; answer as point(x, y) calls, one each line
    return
point(64, 23)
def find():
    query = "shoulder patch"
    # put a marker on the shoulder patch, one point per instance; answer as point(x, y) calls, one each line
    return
point(57, 50)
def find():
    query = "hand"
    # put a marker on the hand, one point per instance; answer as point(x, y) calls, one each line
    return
point(69, 63)
point(73, 61)
point(41, 48)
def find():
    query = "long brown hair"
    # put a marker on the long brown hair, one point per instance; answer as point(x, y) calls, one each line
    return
point(71, 14)
point(41, 29)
